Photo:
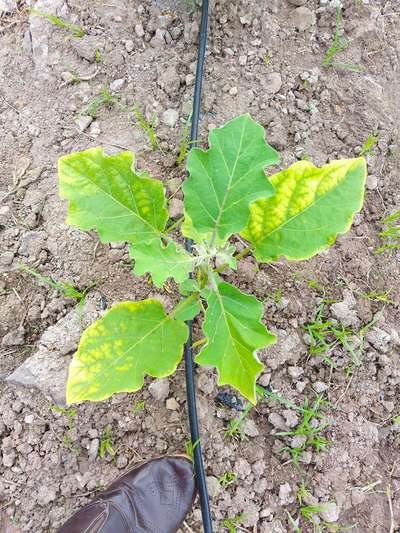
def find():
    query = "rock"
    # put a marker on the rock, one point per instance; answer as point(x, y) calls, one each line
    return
point(295, 371)
point(297, 2)
point(86, 48)
point(7, 6)
point(175, 208)
point(379, 338)
point(242, 61)
point(159, 389)
point(45, 495)
point(93, 449)
point(277, 421)
point(9, 459)
point(298, 441)
point(5, 214)
point(47, 369)
point(31, 244)
point(83, 122)
point(6, 260)
point(250, 428)
point(116, 85)
point(233, 91)
point(170, 117)
point(303, 18)
point(214, 487)
point(285, 496)
point(139, 30)
point(288, 348)
point(330, 512)
point(291, 418)
point(15, 337)
point(372, 182)
point(29, 419)
point(129, 46)
point(171, 404)
point(344, 310)
point(320, 386)
point(205, 383)
point(273, 82)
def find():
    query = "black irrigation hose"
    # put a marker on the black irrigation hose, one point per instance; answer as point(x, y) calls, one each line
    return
point(189, 364)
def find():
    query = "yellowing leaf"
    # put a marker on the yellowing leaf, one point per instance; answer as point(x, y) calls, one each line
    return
point(234, 332)
point(162, 262)
point(132, 340)
point(106, 194)
point(310, 208)
point(226, 178)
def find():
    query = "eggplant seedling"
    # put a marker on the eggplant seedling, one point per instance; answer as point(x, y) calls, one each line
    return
point(294, 214)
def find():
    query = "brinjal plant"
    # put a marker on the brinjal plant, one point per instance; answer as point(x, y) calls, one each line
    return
point(292, 214)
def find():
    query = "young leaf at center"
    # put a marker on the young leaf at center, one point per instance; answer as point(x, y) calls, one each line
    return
point(234, 332)
point(130, 341)
point(226, 178)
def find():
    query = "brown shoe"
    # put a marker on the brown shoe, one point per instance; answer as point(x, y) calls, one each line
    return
point(151, 498)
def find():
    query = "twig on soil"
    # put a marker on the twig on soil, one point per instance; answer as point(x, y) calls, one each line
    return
point(188, 527)
point(115, 145)
point(389, 497)
point(20, 186)
point(344, 393)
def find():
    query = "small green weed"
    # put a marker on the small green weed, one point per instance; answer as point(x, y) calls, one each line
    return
point(106, 443)
point(228, 478)
point(138, 407)
point(231, 524)
point(267, 59)
point(147, 127)
point(66, 289)
point(378, 296)
point(75, 30)
point(275, 296)
point(390, 235)
point(104, 99)
point(326, 334)
point(309, 429)
point(184, 143)
point(97, 56)
point(339, 44)
point(235, 427)
point(190, 447)
point(370, 142)
point(70, 414)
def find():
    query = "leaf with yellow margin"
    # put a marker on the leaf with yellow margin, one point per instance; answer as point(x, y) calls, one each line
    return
point(132, 340)
point(310, 208)
point(234, 332)
point(106, 194)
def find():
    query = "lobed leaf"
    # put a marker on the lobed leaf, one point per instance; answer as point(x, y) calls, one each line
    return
point(224, 180)
point(234, 332)
point(130, 341)
point(162, 262)
point(106, 194)
point(311, 206)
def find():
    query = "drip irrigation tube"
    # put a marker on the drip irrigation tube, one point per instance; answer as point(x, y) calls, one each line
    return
point(189, 364)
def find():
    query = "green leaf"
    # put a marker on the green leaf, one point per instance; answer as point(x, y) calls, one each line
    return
point(130, 341)
point(105, 193)
point(187, 309)
point(162, 262)
point(311, 206)
point(234, 332)
point(188, 286)
point(225, 179)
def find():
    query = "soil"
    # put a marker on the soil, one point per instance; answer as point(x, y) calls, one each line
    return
point(264, 58)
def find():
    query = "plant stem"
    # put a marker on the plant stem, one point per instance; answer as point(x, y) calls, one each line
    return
point(242, 254)
point(199, 343)
point(183, 303)
point(173, 226)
